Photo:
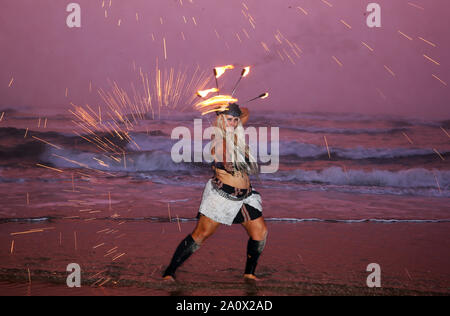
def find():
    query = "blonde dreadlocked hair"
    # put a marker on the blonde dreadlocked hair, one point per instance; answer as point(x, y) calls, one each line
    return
point(234, 157)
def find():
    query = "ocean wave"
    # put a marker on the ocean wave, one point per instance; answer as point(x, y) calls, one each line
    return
point(303, 150)
point(345, 131)
point(135, 162)
point(156, 142)
point(149, 143)
point(412, 178)
point(396, 121)
point(164, 219)
point(156, 156)
point(9, 155)
point(297, 149)
point(350, 221)
point(12, 180)
point(412, 182)
point(25, 219)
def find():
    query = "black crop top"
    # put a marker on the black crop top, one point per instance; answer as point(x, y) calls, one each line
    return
point(218, 165)
point(221, 165)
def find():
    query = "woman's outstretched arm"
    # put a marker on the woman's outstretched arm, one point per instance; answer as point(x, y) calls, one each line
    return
point(245, 115)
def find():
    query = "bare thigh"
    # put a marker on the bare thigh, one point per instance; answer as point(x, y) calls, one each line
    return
point(204, 229)
point(256, 229)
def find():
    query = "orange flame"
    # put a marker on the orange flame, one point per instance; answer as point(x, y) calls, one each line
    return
point(265, 95)
point(204, 93)
point(215, 110)
point(219, 71)
point(245, 72)
point(218, 100)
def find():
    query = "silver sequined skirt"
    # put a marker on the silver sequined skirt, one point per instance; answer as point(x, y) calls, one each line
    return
point(223, 207)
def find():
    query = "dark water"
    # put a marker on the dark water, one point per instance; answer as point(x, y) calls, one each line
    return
point(370, 175)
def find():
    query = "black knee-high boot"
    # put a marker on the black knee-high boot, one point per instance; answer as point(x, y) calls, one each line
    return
point(184, 250)
point(254, 250)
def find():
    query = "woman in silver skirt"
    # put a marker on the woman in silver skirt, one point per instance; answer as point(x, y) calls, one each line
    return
point(228, 197)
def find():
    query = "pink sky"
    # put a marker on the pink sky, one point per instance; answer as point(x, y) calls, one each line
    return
point(44, 56)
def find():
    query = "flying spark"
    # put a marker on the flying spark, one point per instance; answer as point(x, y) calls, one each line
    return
point(381, 94)
point(178, 221)
point(337, 61)
point(46, 142)
point(440, 80)
point(104, 282)
point(38, 164)
point(437, 182)
point(266, 48)
point(327, 3)
point(389, 70)
point(416, 6)
point(439, 154)
point(328, 149)
point(431, 59)
point(118, 256)
point(428, 42)
point(370, 48)
point(446, 133)
point(409, 139)
point(165, 49)
point(408, 37)
point(303, 10)
point(346, 24)
point(409, 276)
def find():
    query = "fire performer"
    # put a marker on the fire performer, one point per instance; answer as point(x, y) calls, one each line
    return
point(228, 197)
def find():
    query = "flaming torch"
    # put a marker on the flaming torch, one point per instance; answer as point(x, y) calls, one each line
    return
point(204, 93)
point(244, 73)
point(261, 96)
point(219, 71)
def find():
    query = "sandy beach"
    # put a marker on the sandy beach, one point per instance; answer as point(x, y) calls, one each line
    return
point(300, 259)
point(123, 244)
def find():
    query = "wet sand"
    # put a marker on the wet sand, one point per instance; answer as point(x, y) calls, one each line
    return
point(299, 259)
